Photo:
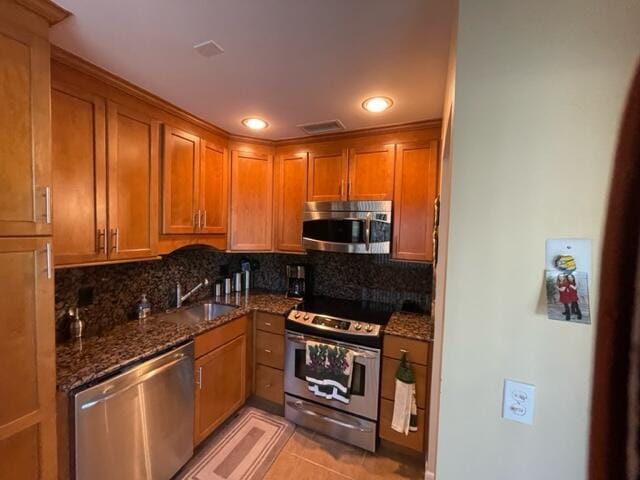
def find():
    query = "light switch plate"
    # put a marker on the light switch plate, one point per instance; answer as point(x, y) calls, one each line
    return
point(518, 401)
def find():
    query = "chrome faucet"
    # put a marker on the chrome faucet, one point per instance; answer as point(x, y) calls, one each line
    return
point(181, 298)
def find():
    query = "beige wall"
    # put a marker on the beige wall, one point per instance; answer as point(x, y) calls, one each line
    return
point(540, 88)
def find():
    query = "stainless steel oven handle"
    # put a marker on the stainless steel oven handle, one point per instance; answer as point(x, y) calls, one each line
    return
point(358, 352)
point(299, 406)
point(367, 231)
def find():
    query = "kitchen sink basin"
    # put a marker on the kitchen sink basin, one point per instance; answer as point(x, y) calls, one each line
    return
point(209, 311)
point(197, 313)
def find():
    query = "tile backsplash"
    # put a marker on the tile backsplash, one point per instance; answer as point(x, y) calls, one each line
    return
point(117, 288)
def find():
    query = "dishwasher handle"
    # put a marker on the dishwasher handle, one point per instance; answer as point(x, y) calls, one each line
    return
point(110, 391)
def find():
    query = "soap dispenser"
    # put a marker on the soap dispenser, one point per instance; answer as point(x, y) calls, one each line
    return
point(144, 307)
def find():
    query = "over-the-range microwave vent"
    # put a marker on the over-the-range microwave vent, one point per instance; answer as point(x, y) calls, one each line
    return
point(322, 127)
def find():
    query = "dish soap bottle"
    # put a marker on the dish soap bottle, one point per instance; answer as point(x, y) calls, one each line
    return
point(144, 307)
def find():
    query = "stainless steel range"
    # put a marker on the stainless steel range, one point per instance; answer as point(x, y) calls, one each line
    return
point(357, 327)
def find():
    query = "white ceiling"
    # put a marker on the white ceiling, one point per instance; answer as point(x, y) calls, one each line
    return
point(288, 61)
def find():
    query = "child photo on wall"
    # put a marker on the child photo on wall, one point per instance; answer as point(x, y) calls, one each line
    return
point(567, 292)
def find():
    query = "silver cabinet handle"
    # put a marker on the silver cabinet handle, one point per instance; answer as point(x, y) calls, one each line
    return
point(349, 189)
point(49, 266)
point(299, 406)
point(268, 324)
point(204, 219)
point(341, 187)
point(102, 240)
point(115, 236)
point(47, 204)
point(267, 385)
point(367, 231)
point(266, 350)
point(197, 216)
point(199, 380)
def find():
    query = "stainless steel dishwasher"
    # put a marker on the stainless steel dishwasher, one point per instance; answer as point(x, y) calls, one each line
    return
point(139, 424)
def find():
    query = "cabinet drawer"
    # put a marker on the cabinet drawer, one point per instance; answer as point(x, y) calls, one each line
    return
point(388, 388)
point(417, 351)
point(270, 384)
point(217, 337)
point(270, 349)
point(268, 322)
point(414, 440)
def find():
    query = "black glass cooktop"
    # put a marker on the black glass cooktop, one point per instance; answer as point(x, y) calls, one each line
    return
point(361, 311)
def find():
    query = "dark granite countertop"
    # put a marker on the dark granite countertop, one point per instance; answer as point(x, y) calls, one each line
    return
point(92, 358)
point(416, 326)
point(82, 362)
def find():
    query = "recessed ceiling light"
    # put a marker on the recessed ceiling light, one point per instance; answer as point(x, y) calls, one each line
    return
point(254, 123)
point(377, 104)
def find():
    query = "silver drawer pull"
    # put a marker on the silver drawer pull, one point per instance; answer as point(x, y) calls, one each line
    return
point(299, 406)
point(267, 350)
point(268, 324)
point(267, 385)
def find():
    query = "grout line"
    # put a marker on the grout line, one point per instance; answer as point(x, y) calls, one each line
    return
point(323, 467)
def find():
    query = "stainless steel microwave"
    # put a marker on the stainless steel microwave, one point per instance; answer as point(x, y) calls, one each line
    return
point(348, 227)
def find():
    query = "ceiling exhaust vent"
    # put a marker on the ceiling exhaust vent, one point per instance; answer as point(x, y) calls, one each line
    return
point(322, 127)
point(208, 48)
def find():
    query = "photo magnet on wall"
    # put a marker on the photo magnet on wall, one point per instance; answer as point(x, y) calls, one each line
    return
point(568, 267)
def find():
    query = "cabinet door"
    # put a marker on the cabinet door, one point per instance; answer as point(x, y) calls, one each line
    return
point(181, 162)
point(220, 385)
point(214, 179)
point(25, 133)
point(371, 173)
point(79, 176)
point(291, 193)
point(328, 171)
point(133, 183)
point(251, 201)
point(414, 199)
point(27, 356)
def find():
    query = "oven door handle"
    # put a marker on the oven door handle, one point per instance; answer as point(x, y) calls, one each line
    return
point(299, 406)
point(357, 352)
point(367, 231)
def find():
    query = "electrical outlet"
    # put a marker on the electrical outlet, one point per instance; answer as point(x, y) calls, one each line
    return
point(85, 296)
point(518, 401)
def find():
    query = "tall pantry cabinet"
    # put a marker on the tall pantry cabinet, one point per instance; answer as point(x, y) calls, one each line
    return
point(27, 338)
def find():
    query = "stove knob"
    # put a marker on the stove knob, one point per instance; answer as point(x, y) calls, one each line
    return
point(297, 315)
point(357, 326)
point(306, 316)
point(369, 327)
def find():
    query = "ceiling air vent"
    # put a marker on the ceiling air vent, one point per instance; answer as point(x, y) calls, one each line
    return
point(322, 127)
point(208, 48)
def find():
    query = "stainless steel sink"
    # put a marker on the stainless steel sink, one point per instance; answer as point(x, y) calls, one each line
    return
point(209, 311)
point(197, 313)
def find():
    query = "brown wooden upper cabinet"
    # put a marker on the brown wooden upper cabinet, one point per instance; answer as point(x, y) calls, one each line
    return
point(133, 165)
point(415, 193)
point(104, 187)
point(79, 176)
point(371, 172)
point(251, 199)
point(359, 173)
point(194, 184)
point(328, 172)
point(291, 193)
point(25, 138)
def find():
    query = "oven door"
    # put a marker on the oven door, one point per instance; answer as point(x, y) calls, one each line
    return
point(364, 381)
point(347, 232)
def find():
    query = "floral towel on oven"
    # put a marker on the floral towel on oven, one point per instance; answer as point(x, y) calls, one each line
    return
point(329, 371)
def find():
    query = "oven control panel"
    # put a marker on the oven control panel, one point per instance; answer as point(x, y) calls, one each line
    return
point(325, 322)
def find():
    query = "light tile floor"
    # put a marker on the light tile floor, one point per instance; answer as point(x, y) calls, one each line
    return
point(312, 456)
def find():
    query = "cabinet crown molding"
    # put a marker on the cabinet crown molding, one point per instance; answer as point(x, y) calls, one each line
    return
point(50, 11)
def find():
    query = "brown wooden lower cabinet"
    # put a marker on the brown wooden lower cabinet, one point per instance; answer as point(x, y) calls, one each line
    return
point(414, 440)
point(270, 384)
point(269, 357)
point(220, 376)
point(270, 349)
point(419, 359)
